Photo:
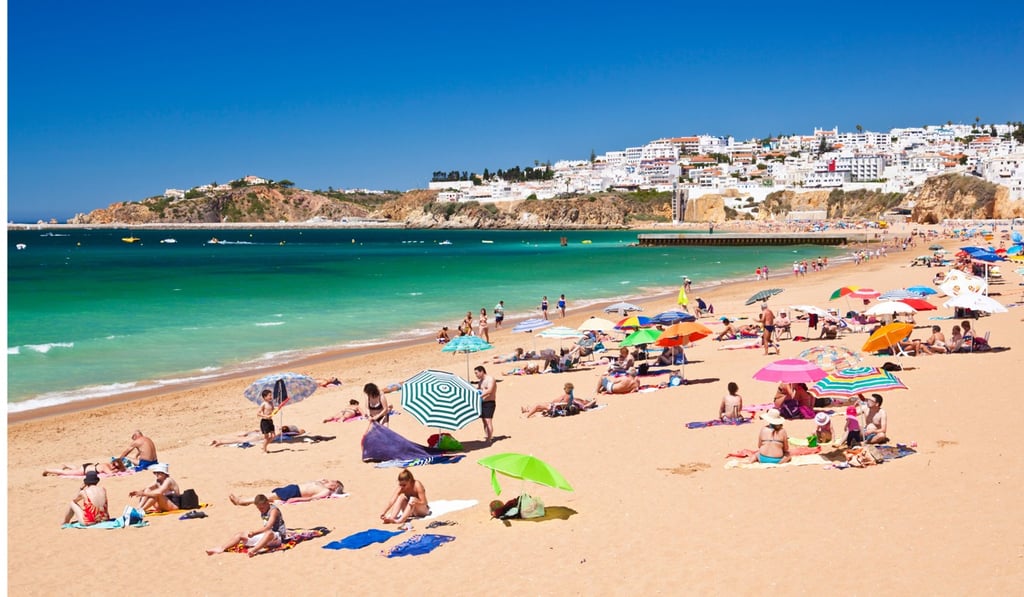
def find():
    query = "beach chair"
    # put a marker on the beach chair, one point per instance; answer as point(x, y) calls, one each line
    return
point(784, 332)
point(977, 344)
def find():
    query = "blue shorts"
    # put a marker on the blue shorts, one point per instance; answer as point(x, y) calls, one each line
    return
point(768, 459)
point(288, 492)
point(144, 464)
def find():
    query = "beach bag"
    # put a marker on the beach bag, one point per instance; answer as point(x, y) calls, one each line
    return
point(188, 500)
point(530, 507)
point(790, 409)
point(643, 369)
point(674, 380)
point(890, 366)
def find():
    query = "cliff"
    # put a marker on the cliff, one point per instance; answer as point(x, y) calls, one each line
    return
point(836, 204)
point(962, 197)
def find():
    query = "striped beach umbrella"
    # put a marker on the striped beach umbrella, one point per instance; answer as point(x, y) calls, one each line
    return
point(670, 317)
point(441, 400)
point(530, 325)
point(864, 293)
point(560, 332)
point(622, 308)
point(922, 290)
point(898, 294)
point(845, 290)
point(633, 321)
point(831, 357)
point(857, 380)
point(763, 295)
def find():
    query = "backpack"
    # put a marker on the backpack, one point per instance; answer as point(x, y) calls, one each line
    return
point(643, 368)
point(188, 500)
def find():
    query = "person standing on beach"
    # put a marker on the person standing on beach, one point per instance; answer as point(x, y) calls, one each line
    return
point(544, 306)
point(266, 415)
point(146, 451)
point(768, 321)
point(488, 394)
point(686, 284)
point(499, 314)
point(561, 305)
point(482, 329)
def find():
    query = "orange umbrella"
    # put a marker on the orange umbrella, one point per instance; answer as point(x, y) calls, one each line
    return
point(887, 336)
point(682, 333)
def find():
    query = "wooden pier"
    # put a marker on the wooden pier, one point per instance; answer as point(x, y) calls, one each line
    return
point(729, 239)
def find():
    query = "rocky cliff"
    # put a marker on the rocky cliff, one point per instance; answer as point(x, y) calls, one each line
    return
point(836, 204)
point(962, 197)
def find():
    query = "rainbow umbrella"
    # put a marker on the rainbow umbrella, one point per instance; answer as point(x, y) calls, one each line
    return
point(845, 290)
point(864, 293)
point(857, 380)
point(790, 371)
point(634, 321)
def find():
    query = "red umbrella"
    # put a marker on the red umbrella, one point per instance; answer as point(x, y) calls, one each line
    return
point(919, 304)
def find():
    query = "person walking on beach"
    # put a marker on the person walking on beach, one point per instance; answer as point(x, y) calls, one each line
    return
point(499, 314)
point(488, 394)
point(409, 499)
point(561, 305)
point(266, 415)
point(544, 306)
point(269, 535)
point(145, 448)
point(482, 329)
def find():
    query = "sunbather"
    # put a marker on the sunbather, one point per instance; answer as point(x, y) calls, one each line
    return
point(625, 362)
point(936, 343)
point(311, 490)
point(89, 506)
point(349, 412)
point(114, 466)
point(561, 401)
point(731, 409)
point(518, 355)
point(772, 440)
point(163, 495)
point(729, 333)
point(249, 437)
point(619, 385)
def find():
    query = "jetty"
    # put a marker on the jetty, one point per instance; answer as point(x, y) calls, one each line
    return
point(732, 239)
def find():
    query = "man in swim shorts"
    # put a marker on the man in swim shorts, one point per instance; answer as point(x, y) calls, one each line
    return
point(768, 321)
point(146, 450)
point(488, 394)
point(499, 314)
point(312, 490)
point(877, 423)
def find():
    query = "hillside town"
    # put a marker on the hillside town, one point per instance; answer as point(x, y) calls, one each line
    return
point(891, 162)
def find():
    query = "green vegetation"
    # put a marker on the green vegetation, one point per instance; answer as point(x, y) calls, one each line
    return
point(193, 194)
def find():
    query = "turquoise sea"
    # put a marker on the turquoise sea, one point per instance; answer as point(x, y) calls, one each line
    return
point(90, 315)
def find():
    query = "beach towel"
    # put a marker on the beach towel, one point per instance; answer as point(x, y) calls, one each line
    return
point(893, 452)
point(737, 345)
point(793, 451)
point(130, 471)
point(293, 538)
point(175, 512)
point(715, 423)
point(131, 517)
point(362, 539)
point(802, 460)
point(439, 459)
point(418, 545)
point(381, 444)
point(327, 497)
point(442, 507)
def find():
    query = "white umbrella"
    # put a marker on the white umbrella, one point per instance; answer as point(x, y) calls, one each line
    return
point(890, 308)
point(975, 302)
point(957, 283)
point(809, 309)
point(596, 324)
point(622, 307)
point(561, 332)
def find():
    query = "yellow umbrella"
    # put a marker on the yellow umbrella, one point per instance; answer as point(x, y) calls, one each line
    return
point(887, 336)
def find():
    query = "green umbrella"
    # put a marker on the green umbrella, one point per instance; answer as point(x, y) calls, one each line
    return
point(641, 336)
point(525, 467)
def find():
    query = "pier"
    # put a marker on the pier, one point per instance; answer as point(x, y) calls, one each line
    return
point(729, 239)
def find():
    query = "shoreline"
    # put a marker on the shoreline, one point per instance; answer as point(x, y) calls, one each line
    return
point(331, 355)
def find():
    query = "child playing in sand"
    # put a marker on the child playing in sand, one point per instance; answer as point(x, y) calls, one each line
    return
point(349, 412)
point(853, 435)
point(410, 499)
point(266, 415)
point(823, 431)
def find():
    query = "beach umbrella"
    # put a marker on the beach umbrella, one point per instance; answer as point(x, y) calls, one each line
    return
point(856, 380)
point(897, 294)
point(831, 357)
point(596, 324)
point(790, 371)
point(922, 290)
point(975, 302)
point(441, 400)
point(633, 321)
point(287, 388)
point(864, 293)
point(524, 467)
point(641, 336)
point(763, 295)
point(810, 309)
point(887, 336)
point(530, 325)
point(682, 333)
point(561, 332)
point(670, 317)
point(919, 304)
point(845, 290)
point(935, 248)
point(889, 308)
point(622, 308)
point(467, 345)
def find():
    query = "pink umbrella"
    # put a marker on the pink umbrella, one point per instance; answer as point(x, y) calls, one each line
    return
point(865, 293)
point(791, 371)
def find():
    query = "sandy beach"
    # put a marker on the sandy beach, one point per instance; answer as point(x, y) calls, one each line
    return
point(654, 509)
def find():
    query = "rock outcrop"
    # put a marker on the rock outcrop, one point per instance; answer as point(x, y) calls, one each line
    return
point(953, 196)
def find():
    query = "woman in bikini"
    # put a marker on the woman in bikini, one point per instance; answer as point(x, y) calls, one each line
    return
point(115, 466)
point(349, 412)
point(772, 441)
point(376, 404)
point(90, 505)
point(482, 329)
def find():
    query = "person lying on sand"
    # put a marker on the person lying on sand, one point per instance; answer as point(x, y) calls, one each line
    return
point(287, 432)
point(290, 494)
point(349, 412)
point(115, 466)
point(619, 385)
point(561, 401)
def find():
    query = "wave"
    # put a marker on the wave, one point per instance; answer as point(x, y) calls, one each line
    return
point(77, 395)
point(269, 323)
point(40, 348)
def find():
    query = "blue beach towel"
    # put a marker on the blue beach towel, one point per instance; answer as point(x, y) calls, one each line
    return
point(418, 545)
point(362, 539)
point(714, 423)
point(130, 517)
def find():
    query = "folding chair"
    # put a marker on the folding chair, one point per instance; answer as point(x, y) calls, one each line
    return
point(784, 332)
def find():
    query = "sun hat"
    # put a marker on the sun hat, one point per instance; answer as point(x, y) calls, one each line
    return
point(160, 467)
point(822, 419)
point(92, 478)
point(773, 417)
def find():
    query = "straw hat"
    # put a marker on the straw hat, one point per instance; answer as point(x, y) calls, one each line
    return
point(773, 417)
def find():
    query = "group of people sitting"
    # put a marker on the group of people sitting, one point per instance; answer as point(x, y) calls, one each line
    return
point(961, 339)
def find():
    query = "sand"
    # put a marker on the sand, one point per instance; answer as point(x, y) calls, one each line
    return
point(654, 508)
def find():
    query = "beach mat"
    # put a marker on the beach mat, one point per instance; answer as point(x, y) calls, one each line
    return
point(802, 460)
point(362, 539)
point(131, 517)
point(294, 537)
point(716, 423)
point(442, 507)
point(418, 545)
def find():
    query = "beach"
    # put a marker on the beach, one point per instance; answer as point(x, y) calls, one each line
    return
point(654, 508)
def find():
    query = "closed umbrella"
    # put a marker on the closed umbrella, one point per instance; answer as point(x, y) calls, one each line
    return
point(790, 371)
point(763, 295)
point(525, 467)
point(440, 399)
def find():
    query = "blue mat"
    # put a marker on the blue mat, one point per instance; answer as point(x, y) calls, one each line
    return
point(418, 545)
point(362, 539)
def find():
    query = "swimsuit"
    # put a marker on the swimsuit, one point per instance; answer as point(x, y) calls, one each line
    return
point(561, 305)
point(768, 459)
point(91, 514)
point(487, 409)
point(144, 464)
point(608, 385)
point(375, 410)
point(266, 426)
point(287, 492)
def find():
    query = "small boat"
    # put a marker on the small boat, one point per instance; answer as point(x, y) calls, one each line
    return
point(169, 241)
point(487, 242)
point(445, 242)
point(130, 239)
point(213, 241)
point(20, 246)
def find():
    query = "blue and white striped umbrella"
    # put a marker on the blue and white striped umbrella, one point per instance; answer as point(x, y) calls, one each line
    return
point(897, 294)
point(670, 317)
point(441, 400)
point(530, 325)
point(923, 290)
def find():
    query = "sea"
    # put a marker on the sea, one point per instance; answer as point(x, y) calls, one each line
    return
point(90, 315)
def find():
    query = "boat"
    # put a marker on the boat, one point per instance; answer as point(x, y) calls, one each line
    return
point(169, 241)
point(212, 241)
point(20, 246)
point(487, 242)
point(445, 242)
point(586, 242)
point(130, 239)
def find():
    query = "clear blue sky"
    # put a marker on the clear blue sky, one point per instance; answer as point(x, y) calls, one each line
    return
point(116, 101)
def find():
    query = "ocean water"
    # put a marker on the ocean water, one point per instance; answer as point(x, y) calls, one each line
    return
point(90, 315)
